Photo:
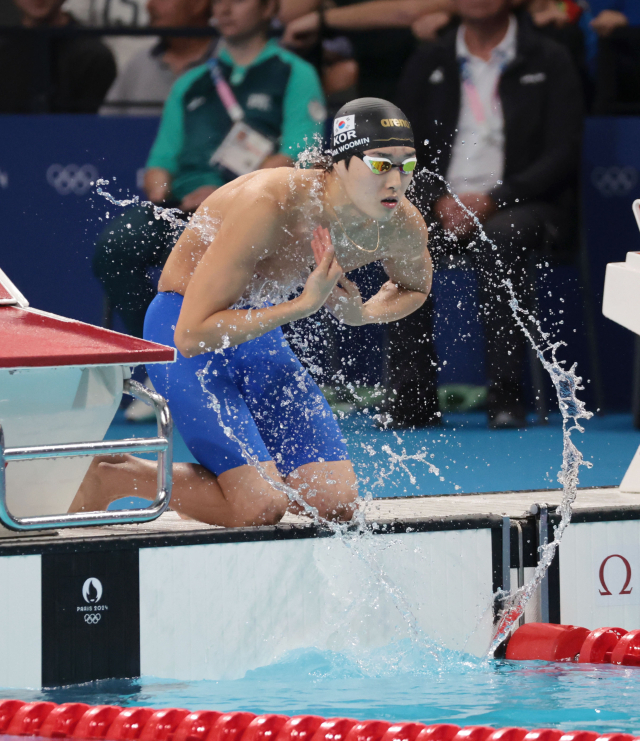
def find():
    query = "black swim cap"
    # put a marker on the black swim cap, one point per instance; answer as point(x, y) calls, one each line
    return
point(366, 123)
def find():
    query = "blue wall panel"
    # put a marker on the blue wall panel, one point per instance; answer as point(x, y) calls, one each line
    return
point(49, 212)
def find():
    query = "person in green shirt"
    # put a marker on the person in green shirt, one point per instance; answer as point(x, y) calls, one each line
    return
point(281, 99)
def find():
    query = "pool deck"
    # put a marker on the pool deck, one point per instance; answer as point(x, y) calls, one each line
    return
point(398, 514)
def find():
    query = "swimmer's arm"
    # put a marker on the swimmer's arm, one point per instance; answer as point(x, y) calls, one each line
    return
point(247, 234)
point(406, 290)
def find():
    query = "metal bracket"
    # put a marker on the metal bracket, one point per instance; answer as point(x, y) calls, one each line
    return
point(543, 539)
point(520, 563)
point(162, 445)
point(506, 555)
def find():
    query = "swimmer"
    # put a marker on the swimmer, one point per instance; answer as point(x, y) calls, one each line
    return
point(222, 303)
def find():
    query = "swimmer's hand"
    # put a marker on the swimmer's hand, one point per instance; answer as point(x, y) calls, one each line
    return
point(344, 301)
point(346, 304)
point(323, 279)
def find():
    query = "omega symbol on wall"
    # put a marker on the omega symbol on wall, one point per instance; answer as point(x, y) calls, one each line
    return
point(615, 572)
point(625, 587)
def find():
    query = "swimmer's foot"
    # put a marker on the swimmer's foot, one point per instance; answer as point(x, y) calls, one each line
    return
point(93, 494)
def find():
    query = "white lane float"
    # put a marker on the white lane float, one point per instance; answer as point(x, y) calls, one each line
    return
point(61, 382)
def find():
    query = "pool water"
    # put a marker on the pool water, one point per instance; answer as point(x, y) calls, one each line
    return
point(396, 683)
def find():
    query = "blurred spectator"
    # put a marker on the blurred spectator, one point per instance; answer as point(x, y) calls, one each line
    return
point(497, 109)
point(281, 98)
point(65, 74)
point(600, 20)
point(607, 15)
point(378, 30)
point(144, 84)
point(553, 12)
point(560, 20)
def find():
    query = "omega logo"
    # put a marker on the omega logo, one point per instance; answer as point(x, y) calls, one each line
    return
point(605, 591)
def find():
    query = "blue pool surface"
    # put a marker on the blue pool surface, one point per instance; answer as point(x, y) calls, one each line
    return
point(396, 684)
point(470, 458)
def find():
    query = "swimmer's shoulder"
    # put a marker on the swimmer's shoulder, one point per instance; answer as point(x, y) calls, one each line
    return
point(245, 192)
point(271, 192)
point(412, 229)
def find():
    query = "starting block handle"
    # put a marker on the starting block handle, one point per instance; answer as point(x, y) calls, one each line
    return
point(163, 445)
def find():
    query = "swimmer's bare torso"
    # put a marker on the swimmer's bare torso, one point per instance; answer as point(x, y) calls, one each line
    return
point(263, 231)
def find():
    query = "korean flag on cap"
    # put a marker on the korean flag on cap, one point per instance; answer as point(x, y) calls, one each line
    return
point(344, 123)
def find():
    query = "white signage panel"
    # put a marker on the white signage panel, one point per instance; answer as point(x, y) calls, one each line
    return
point(600, 575)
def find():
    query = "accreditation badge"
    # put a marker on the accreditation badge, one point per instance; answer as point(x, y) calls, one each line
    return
point(243, 150)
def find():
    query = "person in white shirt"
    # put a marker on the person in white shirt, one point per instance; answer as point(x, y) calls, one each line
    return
point(497, 112)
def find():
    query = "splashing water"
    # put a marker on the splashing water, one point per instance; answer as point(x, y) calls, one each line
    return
point(202, 223)
point(566, 384)
point(357, 536)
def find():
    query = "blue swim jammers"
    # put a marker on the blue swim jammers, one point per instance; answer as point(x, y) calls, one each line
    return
point(271, 405)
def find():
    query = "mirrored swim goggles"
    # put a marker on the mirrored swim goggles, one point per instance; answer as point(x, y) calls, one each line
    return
point(380, 165)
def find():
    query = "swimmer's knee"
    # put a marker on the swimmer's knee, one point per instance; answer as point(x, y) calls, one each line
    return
point(341, 508)
point(269, 509)
point(337, 505)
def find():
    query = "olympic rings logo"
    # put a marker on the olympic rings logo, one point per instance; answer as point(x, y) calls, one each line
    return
point(72, 178)
point(92, 618)
point(614, 181)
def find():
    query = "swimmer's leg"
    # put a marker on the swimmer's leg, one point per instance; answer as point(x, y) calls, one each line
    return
point(239, 497)
point(329, 486)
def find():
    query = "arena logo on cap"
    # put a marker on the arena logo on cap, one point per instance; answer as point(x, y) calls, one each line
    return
point(386, 122)
point(344, 123)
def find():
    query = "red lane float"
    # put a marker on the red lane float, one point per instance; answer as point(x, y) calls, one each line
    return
point(334, 729)
point(111, 723)
point(440, 732)
point(547, 642)
point(579, 736)
point(544, 734)
point(230, 726)
point(129, 723)
point(162, 724)
point(366, 730)
point(627, 649)
point(29, 718)
point(599, 644)
point(403, 732)
point(474, 733)
point(264, 728)
point(8, 708)
point(508, 734)
point(300, 728)
point(196, 726)
point(96, 722)
point(62, 721)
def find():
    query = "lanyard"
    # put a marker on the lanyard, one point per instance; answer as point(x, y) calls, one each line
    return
point(471, 90)
point(225, 93)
